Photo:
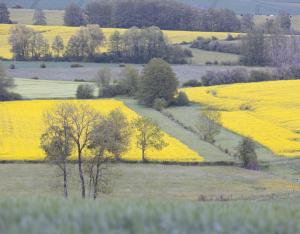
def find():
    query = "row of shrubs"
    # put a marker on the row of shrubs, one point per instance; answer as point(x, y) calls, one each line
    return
point(86, 91)
point(241, 75)
point(213, 44)
point(43, 65)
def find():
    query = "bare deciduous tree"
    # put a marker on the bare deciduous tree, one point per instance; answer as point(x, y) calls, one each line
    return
point(83, 119)
point(56, 141)
point(149, 136)
point(109, 139)
point(209, 124)
point(58, 46)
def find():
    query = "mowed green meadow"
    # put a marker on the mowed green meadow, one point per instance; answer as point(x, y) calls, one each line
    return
point(45, 89)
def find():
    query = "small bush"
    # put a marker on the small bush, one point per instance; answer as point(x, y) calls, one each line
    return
point(192, 83)
point(9, 96)
point(85, 91)
point(257, 76)
point(122, 65)
point(76, 65)
point(112, 91)
point(229, 37)
point(35, 78)
point(246, 153)
point(182, 99)
point(208, 63)
point(80, 80)
point(12, 66)
point(213, 92)
point(160, 104)
point(246, 107)
point(43, 65)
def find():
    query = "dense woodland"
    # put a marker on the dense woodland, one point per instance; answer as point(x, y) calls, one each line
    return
point(163, 14)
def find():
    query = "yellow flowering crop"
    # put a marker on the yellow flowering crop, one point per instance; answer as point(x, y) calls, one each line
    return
point(269, 112)
point(21, 125)
point(65, 32)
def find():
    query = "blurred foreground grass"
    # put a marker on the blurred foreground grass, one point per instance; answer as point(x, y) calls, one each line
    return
point(35, 216)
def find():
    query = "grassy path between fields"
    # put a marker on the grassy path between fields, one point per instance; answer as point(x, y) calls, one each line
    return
point(226, 140)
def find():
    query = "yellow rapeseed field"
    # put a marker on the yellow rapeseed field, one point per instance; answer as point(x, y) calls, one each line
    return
point(21, 125)
point(269, 112)
point(66, 32)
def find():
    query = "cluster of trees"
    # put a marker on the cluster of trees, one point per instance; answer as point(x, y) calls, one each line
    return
point(156, 86)
point(163, 14)
point(141, 45)
point(28, 44)
point(97, 140)
point(134, 46)
point(259, 49)
point(6, 84)
point(270, 44)
point(274, 24)
point(279, 23)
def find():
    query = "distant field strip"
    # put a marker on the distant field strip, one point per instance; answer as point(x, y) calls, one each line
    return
point(269, 112)
point(46, 89)
point(21, 126)
point(66, 32)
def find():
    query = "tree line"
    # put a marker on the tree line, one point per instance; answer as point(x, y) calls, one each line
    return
point(134, 46)
point(167, 14)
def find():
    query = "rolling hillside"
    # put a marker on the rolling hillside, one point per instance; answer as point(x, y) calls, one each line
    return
point(268, 112)
point(239, 6)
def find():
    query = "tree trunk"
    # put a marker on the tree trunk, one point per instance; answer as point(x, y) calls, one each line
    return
point(97, 175)
point(81, 174)
point(96, 181)
point(65, 180)
point(143, 155)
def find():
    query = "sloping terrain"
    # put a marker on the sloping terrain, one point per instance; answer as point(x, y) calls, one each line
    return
point(267, 111)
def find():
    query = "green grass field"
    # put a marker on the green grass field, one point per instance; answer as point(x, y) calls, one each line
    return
point(24, 16)
point(151, 199)
point(153, 182)
point(45, 89)
point(200, 57)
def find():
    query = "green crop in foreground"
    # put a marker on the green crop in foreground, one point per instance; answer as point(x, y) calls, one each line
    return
point(76, 216)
